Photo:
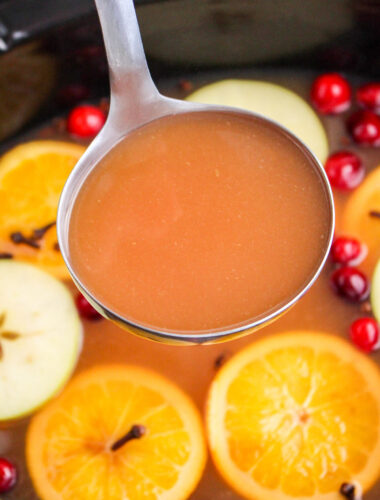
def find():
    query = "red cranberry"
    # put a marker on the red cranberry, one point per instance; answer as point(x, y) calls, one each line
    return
point(350, 283)
point(8, 475)
point(330, 93)
point(85, 121)
point(347, 251)
point(185, 85)
point(364, 333)
point(91, 61)
point(368, 96)
point(344, 170)
point(85, 309)
point(73, 93)
point(88, 54)
point(338, 57)
point(364, 126)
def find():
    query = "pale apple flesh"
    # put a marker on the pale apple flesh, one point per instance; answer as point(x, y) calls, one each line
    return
point(40, 338)
point(272, 101)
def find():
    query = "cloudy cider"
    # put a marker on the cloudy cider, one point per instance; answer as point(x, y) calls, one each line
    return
point(200, 221)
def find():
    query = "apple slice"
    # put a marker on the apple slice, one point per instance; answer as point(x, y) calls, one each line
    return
point(375, 292)
point(40, 338)
point(274, 102)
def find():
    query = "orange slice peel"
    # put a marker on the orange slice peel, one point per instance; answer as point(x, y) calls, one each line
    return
point(361, 218)
point(73, 446)
point(32, 176)
point(294, 416)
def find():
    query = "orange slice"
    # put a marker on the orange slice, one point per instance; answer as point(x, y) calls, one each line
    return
point(360, 219)
point(32, 176)
point(69, 445)
point(293, 416)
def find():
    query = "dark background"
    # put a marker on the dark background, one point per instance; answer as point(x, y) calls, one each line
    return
point(47, 47)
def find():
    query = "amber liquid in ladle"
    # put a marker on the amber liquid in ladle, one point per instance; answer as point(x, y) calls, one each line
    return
point(190, 221)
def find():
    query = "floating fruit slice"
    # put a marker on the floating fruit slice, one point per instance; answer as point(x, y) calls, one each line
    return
point(40, 338)
point(375, 292)
point(32, 176)
point(273, 101)
point(361, 218)
point(117, 432)
point(294, 416)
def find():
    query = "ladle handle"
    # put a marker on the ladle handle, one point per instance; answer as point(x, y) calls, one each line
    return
point(132, 88)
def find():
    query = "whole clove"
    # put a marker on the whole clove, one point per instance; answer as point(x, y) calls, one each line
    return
point(18, 238)
point(348, 491)
point(135, 432)
point(6, 255)
point(220, 360)
point(40, 232)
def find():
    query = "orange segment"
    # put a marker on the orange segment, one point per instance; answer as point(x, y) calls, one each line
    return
point(358, 222)
point(32, 176)
point(69, 443)
point(295, 415)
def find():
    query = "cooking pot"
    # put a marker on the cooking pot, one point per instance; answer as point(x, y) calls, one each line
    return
point(52, 56)
point(51, 53)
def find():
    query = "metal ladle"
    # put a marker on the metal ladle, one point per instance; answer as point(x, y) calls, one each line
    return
point(134, 102)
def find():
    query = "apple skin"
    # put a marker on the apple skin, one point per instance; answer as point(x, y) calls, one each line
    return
point(272, 101)
point(36, 364)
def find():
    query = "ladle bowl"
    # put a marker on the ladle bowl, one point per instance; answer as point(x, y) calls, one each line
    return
point(135, 101)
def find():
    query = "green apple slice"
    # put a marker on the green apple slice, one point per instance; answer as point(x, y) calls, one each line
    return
point(274, 102)
point(40, 338)
point(375, 292)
